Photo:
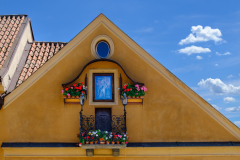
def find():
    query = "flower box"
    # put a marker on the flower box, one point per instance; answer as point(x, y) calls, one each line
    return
point(102, 137)
point(72, 93)
point(71, 101)
point(135, 93)
point(75, 90)
point(135, 101)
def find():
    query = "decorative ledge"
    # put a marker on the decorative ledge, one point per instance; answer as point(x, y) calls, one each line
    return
point(131, 101)
point(146, 150)
point(103, 146)
point(135, 101)
point(71, 101)
point(146, 144)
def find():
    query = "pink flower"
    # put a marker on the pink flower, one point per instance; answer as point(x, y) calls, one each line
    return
point(71, 87)
point(119, 136)
point(137, 87)
point(142, 88)
point(62, 91)
point(126, 142)
point(68, 94)
point(136, 93)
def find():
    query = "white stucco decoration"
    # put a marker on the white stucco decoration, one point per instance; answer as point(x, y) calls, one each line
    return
point(102, 38)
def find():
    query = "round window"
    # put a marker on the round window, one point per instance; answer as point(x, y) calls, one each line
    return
point(102, 49)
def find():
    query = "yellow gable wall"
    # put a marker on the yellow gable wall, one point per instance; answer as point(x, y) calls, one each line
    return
point(167, 115)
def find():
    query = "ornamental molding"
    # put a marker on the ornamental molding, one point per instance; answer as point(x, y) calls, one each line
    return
point(102, 38)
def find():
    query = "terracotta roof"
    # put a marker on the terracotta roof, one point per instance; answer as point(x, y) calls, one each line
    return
point(9, 27)
point(38, 55)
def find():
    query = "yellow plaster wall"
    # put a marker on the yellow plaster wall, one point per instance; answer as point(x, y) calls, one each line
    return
point(164, 153)
point(167, 115)
point(129, 158)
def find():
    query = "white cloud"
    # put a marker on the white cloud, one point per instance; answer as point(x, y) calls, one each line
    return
point(193, 49)
point(229, 99)
point(216, 64)
point(233, 109)
point(200, 34)
point(215, 106)
point(218, 87)
point(230, 76)
point(199, 57)
point(237, 123)
point(224, 54)
point(209, 99)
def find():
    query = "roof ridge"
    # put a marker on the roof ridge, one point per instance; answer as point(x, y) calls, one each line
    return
point(11, 15)
point(47, 42)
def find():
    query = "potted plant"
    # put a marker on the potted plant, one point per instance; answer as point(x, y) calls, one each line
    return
point(116, 139)
point(101, 140)
point(96, 139)
point(91, 140)
point(108, 141)
point(81, 137)
point(87, 139)
point(109, 138)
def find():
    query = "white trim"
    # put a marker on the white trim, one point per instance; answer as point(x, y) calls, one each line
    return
point(100, 38)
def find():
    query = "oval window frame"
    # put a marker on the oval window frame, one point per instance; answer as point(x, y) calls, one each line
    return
point(98, 39)
point(109, 49)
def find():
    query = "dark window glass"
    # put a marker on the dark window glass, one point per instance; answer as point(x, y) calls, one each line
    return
point(102, 49)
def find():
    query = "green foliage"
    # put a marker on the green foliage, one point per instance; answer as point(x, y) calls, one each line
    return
point(133, 90)
point(74, 90)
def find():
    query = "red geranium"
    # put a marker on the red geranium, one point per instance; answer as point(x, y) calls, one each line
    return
point(87, 137)
point(78, 88)
point(66, 89)
point(127, 89)
point(75, 84)
point(83, 92)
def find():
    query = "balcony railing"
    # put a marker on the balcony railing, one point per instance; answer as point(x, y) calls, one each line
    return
point(116, 123)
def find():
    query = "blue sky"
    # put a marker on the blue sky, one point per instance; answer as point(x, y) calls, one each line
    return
point(197, 40)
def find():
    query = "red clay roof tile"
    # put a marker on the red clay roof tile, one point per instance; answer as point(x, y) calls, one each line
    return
point(38, 55)
point(9, 27)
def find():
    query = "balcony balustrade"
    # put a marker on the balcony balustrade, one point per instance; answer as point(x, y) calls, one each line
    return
point(116, 123)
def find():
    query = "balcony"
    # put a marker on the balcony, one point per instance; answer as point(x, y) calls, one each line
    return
point(114, 123)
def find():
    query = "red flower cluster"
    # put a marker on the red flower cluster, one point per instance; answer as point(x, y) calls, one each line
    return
point(74, 90)
point(80, 87)
point(125, 88)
